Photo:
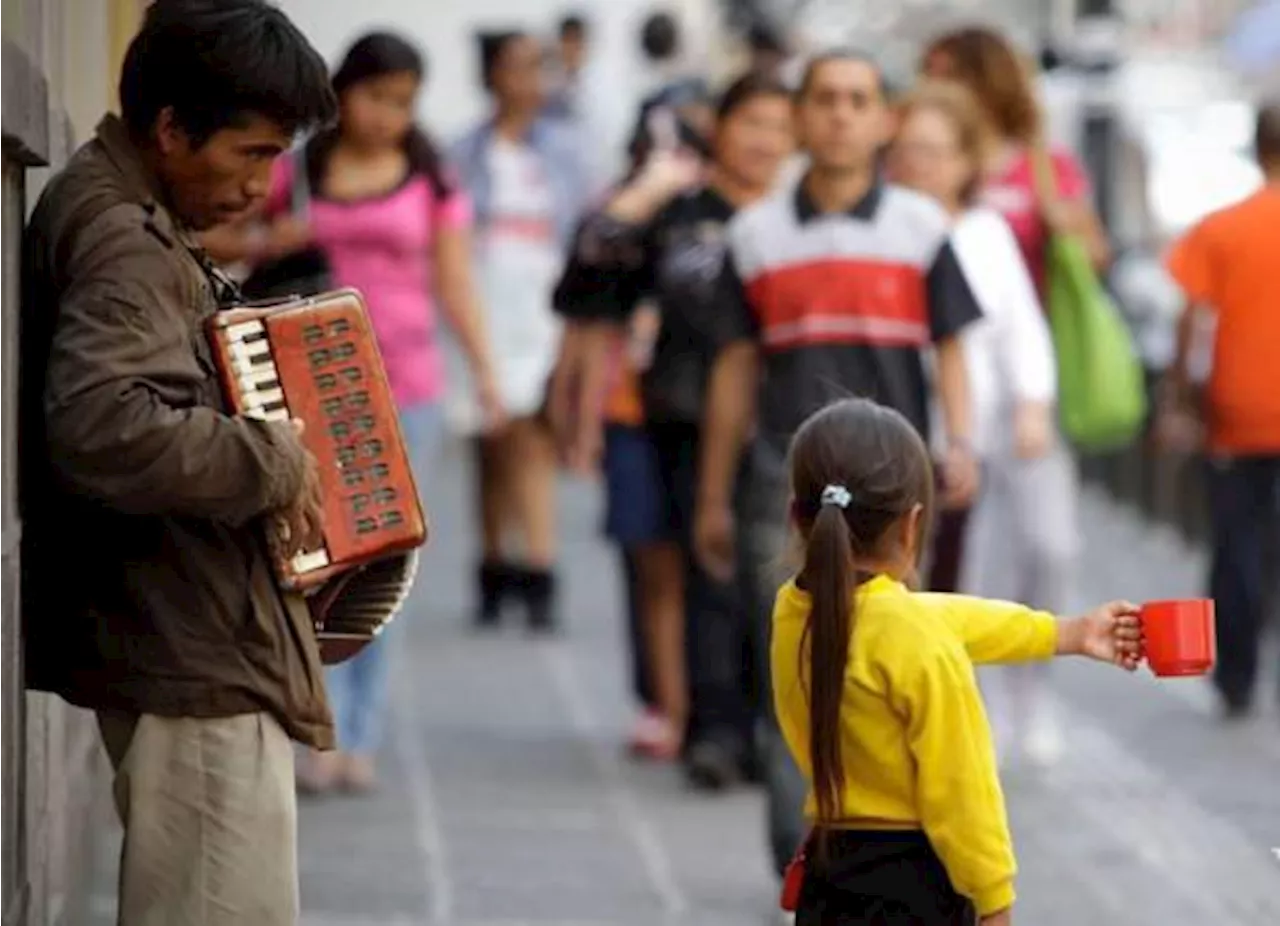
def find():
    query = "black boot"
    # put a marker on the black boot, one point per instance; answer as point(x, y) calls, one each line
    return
point(537, 588)
point(496, 580)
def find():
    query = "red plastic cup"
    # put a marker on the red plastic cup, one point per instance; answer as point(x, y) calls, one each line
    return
point(1179, 636)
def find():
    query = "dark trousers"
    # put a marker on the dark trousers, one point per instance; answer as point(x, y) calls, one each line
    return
point(947, 554)
point(875, 878)
point(718, 707)
point(1244, 508)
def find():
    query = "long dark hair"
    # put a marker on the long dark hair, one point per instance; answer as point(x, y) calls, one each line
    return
point(376, 55)
point(996, 74)
point(857, 468)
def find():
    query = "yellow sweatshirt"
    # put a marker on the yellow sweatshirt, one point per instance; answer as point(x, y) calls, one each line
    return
point(915, 744)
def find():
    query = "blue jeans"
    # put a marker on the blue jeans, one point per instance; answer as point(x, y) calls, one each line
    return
point(358, 687)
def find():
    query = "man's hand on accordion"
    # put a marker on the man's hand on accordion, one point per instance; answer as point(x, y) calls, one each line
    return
point(300, 526)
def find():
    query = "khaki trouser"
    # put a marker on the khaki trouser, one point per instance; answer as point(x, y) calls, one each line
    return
point(210, 820)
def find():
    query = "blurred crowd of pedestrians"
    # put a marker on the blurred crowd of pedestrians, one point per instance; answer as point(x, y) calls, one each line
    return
point(689, 313)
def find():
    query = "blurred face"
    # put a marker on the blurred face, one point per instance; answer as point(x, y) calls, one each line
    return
point(517, 76)
point(938, 66)
point(927, 156)
point(841, 119)
point(573, 50)
point(224, 178)
point(752, 142)
point(378, 112)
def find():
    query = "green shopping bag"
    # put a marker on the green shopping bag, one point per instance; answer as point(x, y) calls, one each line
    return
point(1102, 398)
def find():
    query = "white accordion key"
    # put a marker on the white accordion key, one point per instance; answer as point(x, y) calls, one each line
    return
point(251, 351)
point(310, 562)
point(243, 330)
point(259, 376)
point(256, 399)
point(242, 366)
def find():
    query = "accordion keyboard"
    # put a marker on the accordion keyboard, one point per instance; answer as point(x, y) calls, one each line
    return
point(259, 380)
point(317, 361)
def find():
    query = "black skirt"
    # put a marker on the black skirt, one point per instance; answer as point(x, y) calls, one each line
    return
point(879, 878)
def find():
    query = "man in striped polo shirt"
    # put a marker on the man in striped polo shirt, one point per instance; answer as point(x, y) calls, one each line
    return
point(835, 287)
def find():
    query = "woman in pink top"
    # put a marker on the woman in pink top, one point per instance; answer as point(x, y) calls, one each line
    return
point(392, 224)
point(987, 66)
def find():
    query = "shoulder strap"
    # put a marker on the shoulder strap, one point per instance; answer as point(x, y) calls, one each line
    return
point(1044, 177)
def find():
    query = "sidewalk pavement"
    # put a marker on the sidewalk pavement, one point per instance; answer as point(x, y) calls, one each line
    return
point(507, 800)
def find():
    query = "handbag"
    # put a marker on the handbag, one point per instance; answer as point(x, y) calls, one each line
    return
point(302, 273)
point(1102, 397)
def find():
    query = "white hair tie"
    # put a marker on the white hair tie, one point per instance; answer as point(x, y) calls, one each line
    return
point(836, 495)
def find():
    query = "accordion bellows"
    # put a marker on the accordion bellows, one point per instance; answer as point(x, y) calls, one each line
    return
point(316, 359)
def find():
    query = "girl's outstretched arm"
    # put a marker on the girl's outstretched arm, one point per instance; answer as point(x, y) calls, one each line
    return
point(1003, 631)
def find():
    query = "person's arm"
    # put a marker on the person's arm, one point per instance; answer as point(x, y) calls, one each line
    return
point(1080, 219)
point(952, 307)
point(269, 234)
point(1025, 347)
point(254, 242)
point(933, 688)
point(664, 175)
point(1072, 210)
point(460, 303)
point(1003, 631)
point(610, 267)
point(118, 349)
point(729, 412)
point(1192, 265)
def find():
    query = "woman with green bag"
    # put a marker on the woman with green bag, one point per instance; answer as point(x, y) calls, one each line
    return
point(1023, 542)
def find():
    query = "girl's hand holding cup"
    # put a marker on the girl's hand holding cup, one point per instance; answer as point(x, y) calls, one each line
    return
point(1110, 633)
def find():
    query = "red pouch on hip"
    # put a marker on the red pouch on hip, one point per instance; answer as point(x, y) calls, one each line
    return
point(793, 879)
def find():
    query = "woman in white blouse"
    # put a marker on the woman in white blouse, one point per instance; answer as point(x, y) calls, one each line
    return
point(1021, 537)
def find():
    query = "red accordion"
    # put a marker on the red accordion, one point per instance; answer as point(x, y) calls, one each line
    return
point(316, 359)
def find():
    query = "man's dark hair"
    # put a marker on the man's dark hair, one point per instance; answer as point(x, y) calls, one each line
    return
point(1266, 136)
point(218, 62)
point(573, 26)
point(838, 54)
point(745, 89)
point(660, 37)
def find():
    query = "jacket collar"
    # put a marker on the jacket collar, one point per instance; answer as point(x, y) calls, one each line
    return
point(142, 183)
point(864, 210)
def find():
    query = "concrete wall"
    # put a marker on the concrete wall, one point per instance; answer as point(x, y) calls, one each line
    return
point(57, 82)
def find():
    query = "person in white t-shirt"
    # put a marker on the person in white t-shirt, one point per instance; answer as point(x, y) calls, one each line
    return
point(1020, 539)
point(523, 172)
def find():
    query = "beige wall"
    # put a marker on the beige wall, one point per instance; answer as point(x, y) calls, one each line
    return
point(61, 62)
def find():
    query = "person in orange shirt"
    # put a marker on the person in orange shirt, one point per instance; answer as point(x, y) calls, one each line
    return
point(1227, 268)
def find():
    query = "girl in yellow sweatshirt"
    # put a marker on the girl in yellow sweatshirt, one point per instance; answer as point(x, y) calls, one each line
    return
point(875, 689)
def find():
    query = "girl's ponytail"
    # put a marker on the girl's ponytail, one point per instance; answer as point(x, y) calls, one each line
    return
point(829, 578)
